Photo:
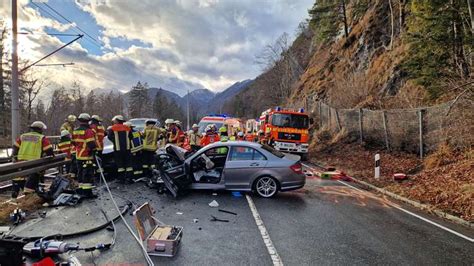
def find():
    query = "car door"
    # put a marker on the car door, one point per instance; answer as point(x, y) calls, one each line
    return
point(243, 165)
point(173, 174)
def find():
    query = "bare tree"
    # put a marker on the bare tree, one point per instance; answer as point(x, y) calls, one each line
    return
point(30, 89)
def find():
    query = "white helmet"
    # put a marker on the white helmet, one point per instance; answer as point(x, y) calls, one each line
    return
point(195, 126)
point(71, 118)
point(39, 125)
point(65, 133)
point(96, 117)
point(169, 121)
point(190, 132)
point(177, 122)
point(84, 116)
point(118, 118)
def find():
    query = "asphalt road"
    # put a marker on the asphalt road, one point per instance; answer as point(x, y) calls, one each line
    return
point(325, 223)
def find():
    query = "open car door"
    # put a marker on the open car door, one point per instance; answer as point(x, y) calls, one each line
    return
point(173, 174)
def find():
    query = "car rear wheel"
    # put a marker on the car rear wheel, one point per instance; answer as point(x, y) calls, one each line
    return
point(266, 186)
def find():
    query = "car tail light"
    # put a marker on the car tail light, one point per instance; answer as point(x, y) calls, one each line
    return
point(297, 168)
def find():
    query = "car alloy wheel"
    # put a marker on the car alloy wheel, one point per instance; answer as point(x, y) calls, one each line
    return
point(266, 186)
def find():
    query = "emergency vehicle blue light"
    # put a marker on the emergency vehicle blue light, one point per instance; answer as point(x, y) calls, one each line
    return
point(278, 108)
point(301, 110)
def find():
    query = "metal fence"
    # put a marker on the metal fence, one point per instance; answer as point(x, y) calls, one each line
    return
point(418, 130)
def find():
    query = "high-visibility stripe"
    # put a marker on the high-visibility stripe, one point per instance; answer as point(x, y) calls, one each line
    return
point(126, 139)
point(120, 169)
point(129, 169)
point(117, 142)
point(45, 148)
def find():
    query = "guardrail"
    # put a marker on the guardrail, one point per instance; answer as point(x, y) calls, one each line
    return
point(11, 170)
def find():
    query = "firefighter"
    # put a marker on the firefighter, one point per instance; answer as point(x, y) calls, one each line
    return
point(261, 137)
point(84, 143)
point(172, 131)
point(223, 133)
point(69, 124)
point(194, 138)
point(180, 134)
point(120, 135)
point(99, 131)
point(65, 146)
point(209, 137)
point(31, 146)
point(136, 151)
point(150, 145)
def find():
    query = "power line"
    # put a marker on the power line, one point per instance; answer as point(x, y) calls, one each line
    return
point(75, 25)
point(76, 28)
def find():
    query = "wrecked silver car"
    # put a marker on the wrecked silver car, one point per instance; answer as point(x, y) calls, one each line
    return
point(233, 165)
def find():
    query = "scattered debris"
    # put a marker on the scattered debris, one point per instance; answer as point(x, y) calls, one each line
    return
point(17, 216)
point(200, 228)
point(236, 194)
point(215, 219)
point(195, 220)
point(179, 213)
point(229, 212)
point(214, 194)
point(45, 204)
point(42, 214)
point(400, 177)
point(213, 204)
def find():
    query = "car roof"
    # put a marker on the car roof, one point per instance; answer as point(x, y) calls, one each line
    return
point(235, 143)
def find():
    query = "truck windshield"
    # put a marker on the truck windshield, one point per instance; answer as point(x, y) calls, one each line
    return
point(290, 120)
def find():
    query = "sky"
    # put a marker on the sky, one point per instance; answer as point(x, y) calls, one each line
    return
point(178, 45)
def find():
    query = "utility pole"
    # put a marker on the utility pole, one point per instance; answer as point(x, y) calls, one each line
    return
point(15, 83)
point(187, 115)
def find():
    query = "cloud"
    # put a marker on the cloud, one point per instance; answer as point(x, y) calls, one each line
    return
point(177, 45)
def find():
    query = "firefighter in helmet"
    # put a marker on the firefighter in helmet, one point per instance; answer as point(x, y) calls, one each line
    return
point(69, 124)
point(31, 146)
point(136, 150)
point(99, 131)
point(83, 139)
point(120, 135)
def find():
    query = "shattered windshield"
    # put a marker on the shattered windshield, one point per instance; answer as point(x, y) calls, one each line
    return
point(290, 120)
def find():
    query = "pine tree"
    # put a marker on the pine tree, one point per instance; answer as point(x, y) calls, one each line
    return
point(437, 43)
point(139, 102)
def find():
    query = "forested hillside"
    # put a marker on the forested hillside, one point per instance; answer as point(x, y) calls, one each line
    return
point(367, 53)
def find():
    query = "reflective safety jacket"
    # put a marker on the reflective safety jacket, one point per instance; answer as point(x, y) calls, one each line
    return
point(121, 136)
point(67, 126)
point(150, 138)
point(194, 138)
point(137, 141)
point(84, 142)
point(99, 132)
point(31, 146)
point(181, 138)
point(209, 138)
point(65, 146)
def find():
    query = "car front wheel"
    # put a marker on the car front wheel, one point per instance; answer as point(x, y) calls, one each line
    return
point(266, 186)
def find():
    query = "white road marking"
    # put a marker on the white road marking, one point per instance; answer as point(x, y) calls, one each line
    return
point(263, 231)
point(417, 216)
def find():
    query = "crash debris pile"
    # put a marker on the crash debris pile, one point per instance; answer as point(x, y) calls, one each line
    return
point(446, 187)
